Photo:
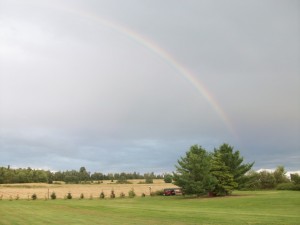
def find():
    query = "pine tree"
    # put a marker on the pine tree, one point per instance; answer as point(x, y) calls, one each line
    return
point(233, 161)
point(193, 172)
point(225, 182)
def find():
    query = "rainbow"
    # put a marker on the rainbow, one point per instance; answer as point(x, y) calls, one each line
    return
point(163, 54)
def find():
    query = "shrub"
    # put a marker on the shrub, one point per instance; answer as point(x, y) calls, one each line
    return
point(102, 195)
point(288, 186)
point(122, 195)
point(123, 182)
point(131, 193)
point(81, 196)
point(295, 178)
point(69, 196)
point(112, 194)
point(267, 180)
point(157, 193)
point(168, 178)
point(143, 195)
point(17, 197)
point(53, 195)
point(34, 196)
point(149, 180)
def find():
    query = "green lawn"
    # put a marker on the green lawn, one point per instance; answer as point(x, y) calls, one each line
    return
point(260, 207)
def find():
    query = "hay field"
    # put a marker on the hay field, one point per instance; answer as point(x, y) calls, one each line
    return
point(24, 191)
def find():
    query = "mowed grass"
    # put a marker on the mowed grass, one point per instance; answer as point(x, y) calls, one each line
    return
point(261, 207)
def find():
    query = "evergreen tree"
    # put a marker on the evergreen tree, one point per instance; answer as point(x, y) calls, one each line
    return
point(193, 172)
point(233, 161)
point(225, 182)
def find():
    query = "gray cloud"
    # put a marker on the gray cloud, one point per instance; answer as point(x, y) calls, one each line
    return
point(76, 93)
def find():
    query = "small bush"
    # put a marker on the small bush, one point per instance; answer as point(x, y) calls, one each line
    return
point(69, 195)
point(149, 180)
point(168, 178)
point(17, 197)
point(123, 182)
point(34, 196)
point(112, 194)
point(122, 195)
point(81, 196)
point(102, 195)
point(131, 193)
point(157, 193)
point(143, 195)
point(53, 195)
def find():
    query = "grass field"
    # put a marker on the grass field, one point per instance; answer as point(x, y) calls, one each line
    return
point(261, 207)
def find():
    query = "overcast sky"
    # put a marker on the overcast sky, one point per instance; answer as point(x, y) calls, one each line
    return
point(130, 85)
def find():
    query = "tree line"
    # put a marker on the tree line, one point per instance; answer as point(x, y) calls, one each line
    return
point(220, 172)
point(29, 175)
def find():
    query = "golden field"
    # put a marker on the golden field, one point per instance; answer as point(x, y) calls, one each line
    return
point(24, 191)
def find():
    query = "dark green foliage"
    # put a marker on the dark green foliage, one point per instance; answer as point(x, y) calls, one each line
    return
point(225, 182)
point(28, 175)
point(233, 161)
point(159, 192)
point(131, 193)
point(267, 180)
point(279, 175)
point(288, 186)
point(143, 195)
point(250, 181)
point(168, 178)
point(53, 195)
point(295, 178)
point(33, 196)
point(193, 172)
point(69, 195)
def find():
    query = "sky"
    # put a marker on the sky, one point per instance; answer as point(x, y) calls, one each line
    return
point(123, 86)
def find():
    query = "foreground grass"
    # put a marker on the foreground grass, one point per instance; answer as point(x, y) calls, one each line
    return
point(264, 207)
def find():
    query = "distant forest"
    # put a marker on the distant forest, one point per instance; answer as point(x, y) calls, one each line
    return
point(28, 175)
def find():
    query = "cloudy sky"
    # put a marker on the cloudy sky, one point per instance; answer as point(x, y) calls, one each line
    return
point(130, 85)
